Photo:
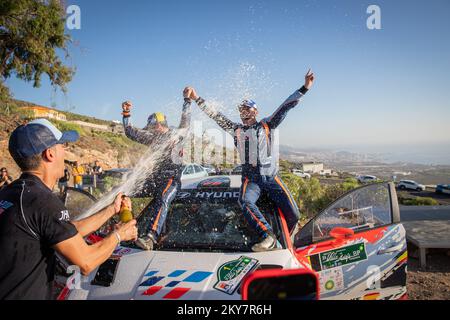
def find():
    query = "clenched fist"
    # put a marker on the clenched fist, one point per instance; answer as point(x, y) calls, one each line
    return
point(126, 108)
point(190, 93)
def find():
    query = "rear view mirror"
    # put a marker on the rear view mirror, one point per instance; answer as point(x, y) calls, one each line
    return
point(341, 233)
point(295, 284)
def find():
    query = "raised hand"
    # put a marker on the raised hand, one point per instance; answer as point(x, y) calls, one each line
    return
point(126, 106)
point(309, 79)
point(190, 93)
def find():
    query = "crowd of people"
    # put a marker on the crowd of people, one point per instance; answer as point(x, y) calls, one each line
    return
point(34, 223)
point(78, 171)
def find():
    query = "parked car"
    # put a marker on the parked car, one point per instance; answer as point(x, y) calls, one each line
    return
point(367, 179)
point(301, 174)
point(409, 184)
point(210, 169)
point(116, 173)
point(237, 170)
point(193, 171)
point(443, 188)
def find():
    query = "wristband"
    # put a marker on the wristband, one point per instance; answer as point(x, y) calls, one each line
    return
point(199, 100)
point(118, 237)
point(303, 90)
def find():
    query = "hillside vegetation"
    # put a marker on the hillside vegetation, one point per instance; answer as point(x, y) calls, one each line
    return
point(112, 150)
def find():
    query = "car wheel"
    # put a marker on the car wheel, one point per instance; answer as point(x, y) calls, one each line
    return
point(402, 187)
point(419, 189)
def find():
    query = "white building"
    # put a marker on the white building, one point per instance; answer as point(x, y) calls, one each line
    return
point(312, 167)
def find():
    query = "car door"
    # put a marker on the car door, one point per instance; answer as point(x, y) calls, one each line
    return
point(357, 245)
point(199, 171)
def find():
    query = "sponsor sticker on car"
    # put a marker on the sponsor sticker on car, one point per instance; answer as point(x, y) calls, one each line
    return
point(331, 280)
point(339, 257)
point(230, 274)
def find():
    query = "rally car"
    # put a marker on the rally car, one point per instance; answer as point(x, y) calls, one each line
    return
point(354, 249)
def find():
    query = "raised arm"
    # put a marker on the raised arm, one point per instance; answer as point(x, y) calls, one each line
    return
point(135, 134)
point(223, 122)
point(278, 116)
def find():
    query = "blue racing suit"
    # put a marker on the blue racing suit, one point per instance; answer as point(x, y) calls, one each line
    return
point(163, 184)
point(259, 158)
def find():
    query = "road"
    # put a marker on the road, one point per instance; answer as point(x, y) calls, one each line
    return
point(413, 213)
point(407, 213)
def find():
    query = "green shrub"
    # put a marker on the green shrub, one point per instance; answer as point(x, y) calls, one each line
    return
point(138, 204)
point(419, 201)
point(66, 126)
point(312, 197)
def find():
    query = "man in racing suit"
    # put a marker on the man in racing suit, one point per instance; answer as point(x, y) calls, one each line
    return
point(164, 182)
point(258, 154)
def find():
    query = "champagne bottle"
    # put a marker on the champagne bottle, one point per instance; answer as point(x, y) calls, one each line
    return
point(125, 213)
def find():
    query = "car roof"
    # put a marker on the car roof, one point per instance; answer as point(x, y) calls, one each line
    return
point(235, 182)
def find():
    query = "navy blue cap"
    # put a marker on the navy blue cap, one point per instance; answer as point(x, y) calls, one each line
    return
point(249, 104)
point(36, 136)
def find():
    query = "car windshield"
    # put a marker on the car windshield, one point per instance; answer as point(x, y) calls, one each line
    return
point(215, 223)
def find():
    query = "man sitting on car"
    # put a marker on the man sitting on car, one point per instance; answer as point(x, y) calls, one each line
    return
point(255, 142)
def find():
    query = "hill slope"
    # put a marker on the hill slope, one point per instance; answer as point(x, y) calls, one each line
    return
point(112, 150)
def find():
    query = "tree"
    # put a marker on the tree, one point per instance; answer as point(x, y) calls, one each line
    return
point(31, 32)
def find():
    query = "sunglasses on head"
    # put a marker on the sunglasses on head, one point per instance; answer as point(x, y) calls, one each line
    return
point(245, 108)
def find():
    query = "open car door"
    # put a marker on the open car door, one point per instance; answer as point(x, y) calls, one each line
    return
point(357, 246)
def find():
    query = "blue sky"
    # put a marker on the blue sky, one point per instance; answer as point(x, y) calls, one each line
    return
point(375, 89)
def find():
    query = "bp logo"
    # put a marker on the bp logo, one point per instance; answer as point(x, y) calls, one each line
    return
point(230, 274)
point(329, 285)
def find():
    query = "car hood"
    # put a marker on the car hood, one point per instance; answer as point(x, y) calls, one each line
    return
point(154, 275)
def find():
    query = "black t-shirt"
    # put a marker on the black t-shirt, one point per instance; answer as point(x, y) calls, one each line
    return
point(32, 221)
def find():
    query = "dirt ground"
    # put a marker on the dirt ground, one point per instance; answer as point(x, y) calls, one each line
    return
point(432, 283)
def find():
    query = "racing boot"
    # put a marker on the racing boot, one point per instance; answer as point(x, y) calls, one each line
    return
point(269, 243)
point(146, 242)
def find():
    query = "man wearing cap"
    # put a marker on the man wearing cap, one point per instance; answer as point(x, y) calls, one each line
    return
point(34, 223)
point(164, 181)
point(258, 151)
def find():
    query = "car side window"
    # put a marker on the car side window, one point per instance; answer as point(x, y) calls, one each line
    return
point(197, 169)
point(189, 170)
point(362, 209)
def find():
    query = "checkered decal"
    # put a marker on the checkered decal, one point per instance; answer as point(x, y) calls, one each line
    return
point(156, 285)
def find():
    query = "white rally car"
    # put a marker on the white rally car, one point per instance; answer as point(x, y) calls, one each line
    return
point(354, 249)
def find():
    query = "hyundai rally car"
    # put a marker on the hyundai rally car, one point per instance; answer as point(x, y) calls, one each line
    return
point(354, 249)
